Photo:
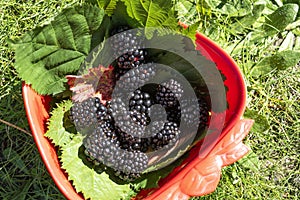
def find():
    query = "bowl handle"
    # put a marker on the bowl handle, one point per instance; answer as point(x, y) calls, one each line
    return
point(204, 174)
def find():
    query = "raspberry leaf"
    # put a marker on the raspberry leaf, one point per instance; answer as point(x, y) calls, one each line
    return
point(56, 130)
point(46, 54)
point(95, 81)
point(152, 14)
point(108, 5)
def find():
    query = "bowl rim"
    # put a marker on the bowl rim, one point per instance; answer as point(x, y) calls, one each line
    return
point(239, 76)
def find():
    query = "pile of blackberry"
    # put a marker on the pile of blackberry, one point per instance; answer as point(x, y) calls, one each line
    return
point(115, 134)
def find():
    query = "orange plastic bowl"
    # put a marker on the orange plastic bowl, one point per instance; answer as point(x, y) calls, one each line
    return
point(199, 174)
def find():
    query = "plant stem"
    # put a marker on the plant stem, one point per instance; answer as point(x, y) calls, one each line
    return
point(14, 126)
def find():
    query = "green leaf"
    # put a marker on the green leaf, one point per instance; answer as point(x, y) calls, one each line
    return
point(261, 123)
point(280, 61)
point(108, 5)
point(231, 8)
point(248, 20)
point(186, 10)
point(203, 8)
point(121, 17)
point(250, 161)
point(93, 185)
point(46, 54)
point(56, 130)
point(295, 2)
point(280, 19)
point(150, 13)
point(191, 30)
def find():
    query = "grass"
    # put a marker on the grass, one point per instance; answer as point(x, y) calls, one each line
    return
point(275, 96)
point(23, 174)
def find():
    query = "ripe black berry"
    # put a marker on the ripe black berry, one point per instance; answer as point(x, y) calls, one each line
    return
point(107, 151)
point(86, 114)
point(83, 114)
point(131, 122)
point(101, 111)
point(140, 101)
point(174, 114)
point(175, 87)
point(136, 78)
point(168, 136)
point(131, 143)
point(128, 49)
point(195, 111)
point(133, 58)
point(99, 146)
point(168, 93)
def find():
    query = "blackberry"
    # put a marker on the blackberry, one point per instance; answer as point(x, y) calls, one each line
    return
point(116, 105)
point(107, 151)
point(168, 93)
point(135, 124)
point(87, 113)
point(100, 147)
point(133, 162)
point(133, 58)
point(108, 128)
point(174, 114)
point(131, 143)
point(168, 136)
point(191, 109)
point(139, 118)
point(101, 112)
point(140, 101)
point(136, 77)
point(127, 46)
point(130, 121)
point(175, 87)
point(165, 97)
point(83, 114)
